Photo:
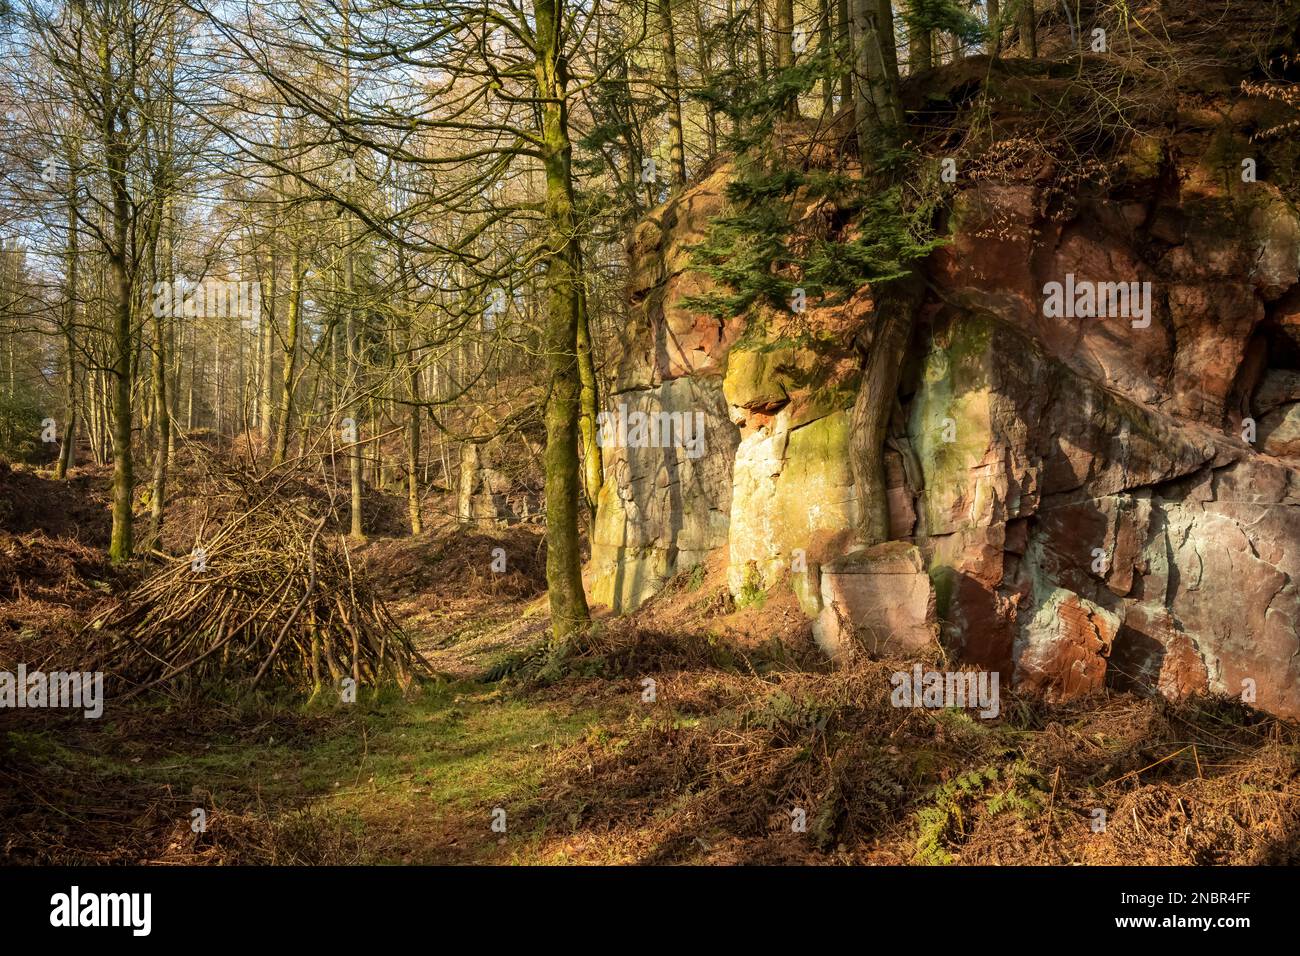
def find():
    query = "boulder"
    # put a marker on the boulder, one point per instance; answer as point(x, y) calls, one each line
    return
point(877, 598)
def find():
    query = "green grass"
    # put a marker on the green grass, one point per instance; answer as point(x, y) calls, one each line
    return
point(419, 778)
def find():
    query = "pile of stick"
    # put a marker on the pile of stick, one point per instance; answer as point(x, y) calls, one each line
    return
point(268, 597)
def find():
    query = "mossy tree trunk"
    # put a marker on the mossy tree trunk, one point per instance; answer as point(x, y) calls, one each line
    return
point(569, 613)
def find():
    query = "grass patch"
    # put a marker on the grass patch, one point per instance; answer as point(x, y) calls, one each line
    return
point(357, 776)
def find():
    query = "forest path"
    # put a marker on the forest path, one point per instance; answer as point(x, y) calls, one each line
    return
point(462, 614)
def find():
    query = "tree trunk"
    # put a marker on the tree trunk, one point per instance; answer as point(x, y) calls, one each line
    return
point(122, 541)
point(1027, 19)
point(162, 426)
point(896, 306)
point(784, 28)
point(67, 452)
point(353, 383)
point(733, 55)
point(589, 403)
point(705, 67)
point(91, 386)
point(173, 383)
point(673, 89)
point(920, 45)
point(884, 14)
point(880, 128)
point(351, 408)
point(289, 369)
point(569, 613)
point(161, 360)
point(266, 399)
point(218, 417)
point(994, 8)
point(920, 48)
point(876, 108)
point(191, 386)
point(413, 452)
point(845, 41)
point(825, 31)
point(785, 47)
point(375, 466)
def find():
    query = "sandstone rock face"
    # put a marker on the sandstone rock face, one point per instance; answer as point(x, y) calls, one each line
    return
point(495, 491)
point(1079, 540)
point(791, 490)
point(1080, 502)
point(663, 509)
point(663, 340)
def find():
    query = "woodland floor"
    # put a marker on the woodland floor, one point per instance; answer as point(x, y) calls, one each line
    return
point(748, 723)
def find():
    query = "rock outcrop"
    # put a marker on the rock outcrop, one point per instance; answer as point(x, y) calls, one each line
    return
point(497, 486)
point(1078, 502)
